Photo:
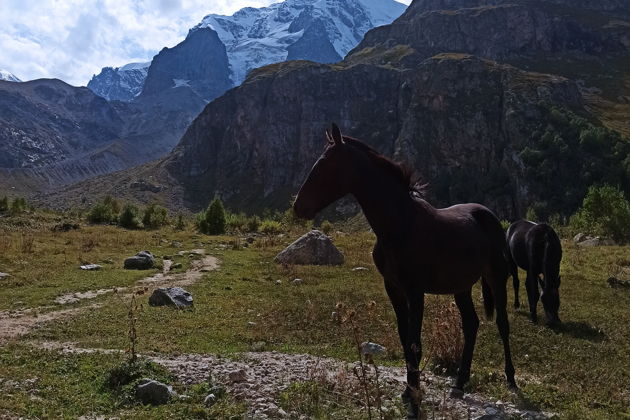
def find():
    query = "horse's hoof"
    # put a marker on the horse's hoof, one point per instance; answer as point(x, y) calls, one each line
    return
point(517, 305)
point(413, 411)
point(457, 393)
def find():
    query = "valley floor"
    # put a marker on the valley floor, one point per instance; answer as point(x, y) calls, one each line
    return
point(267, 346)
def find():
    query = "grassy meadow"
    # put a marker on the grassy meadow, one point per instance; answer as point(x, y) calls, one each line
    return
point(578, 370)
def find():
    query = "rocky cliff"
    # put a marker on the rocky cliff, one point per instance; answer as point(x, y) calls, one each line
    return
point(448, 90)
point(199, 63)
point(120, 83)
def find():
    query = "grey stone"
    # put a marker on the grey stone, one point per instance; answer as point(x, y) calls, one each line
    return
point(143, 260)
point(153, 392)
point(314, 248)
point(359, 269)
point(373, 349)
point(173, 296)
point(4, 275)
point(237, 376)
point(91, 267)
point(278, 282)
point(579, 238)
point(297, 282)
point(210, 400)
point(615, 282)
point(590, 242)
point(176, 266)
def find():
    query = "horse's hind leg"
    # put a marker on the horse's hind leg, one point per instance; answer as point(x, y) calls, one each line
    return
point(516, 283)
point(533, 294)
point(470, 325)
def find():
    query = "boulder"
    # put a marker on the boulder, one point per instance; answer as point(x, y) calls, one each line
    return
point(153, 392)
point(314, 248)
point(590, 242)
point(143, 260)
point(173, 296)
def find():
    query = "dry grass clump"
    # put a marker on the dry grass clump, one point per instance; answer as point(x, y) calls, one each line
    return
point(442, 334)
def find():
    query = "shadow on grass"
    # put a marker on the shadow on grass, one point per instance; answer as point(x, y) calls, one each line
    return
point(580, 330)
point(523, 402)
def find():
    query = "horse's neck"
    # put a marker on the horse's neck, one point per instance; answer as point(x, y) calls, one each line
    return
point(388, 206)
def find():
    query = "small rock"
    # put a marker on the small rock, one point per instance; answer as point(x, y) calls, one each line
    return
point(251, 324)
point(143, 260)
point(258, 346)
point(176, 244)
point(615, 282)
point(297, 282)
point(590, 242)
point(227, 288)
point(91, 267)
point(334, 317)
point(373, 349)
point(579, 238)
point(174, 296)
point(176, 266)
point(237, 376)
point(210, 400)
point(278, 282)
point(456, 393)
point(153, 392)
point(492, 411)
point(4, 275)
point(359, 269)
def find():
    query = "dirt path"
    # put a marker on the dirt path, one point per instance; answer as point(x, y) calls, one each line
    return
point(14, 324)
point(259, 378)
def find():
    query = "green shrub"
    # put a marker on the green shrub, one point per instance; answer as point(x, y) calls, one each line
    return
point(129, 217)
point(270, 227)
point(253, 223)
point(112, 203)
point(605, 211)
point(154, 217)
point(236, 222)
point(212, 221)
point(18, 206)
point(102, 213)
point(290, 219)
point(4, 204)
point(505, 224)
point(180, 224)
point(326, 227)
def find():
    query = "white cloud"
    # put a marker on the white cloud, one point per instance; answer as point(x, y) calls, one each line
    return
point(73, 39)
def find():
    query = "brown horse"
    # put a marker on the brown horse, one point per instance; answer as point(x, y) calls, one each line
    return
point(419, 249)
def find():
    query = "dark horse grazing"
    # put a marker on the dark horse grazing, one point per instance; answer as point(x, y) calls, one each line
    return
point(419, 249)
point(536, 248)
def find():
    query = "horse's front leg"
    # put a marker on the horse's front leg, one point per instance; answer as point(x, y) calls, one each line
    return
point(401, 307)
point(413, 350)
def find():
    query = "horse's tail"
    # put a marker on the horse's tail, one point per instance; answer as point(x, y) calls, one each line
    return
point(488, 299)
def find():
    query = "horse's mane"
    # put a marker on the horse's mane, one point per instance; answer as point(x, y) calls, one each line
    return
point(401, 170)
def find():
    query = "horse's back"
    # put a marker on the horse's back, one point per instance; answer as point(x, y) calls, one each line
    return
point(530, 242)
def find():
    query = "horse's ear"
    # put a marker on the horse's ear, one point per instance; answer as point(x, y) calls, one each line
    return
point(329, 137)
point(336, 134)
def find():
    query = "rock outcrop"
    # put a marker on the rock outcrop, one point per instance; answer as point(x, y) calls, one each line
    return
point(120, 83)
point(199, 63)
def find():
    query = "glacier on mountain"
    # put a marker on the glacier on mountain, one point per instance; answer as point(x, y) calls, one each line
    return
point(257, 37)
point(8, 76)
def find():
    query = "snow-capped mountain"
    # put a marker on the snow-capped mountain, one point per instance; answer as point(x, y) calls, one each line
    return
point(317, 30)
point(8, 76)
point(120, 83)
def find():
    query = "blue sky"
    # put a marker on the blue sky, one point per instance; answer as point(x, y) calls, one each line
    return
point(73, 39)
